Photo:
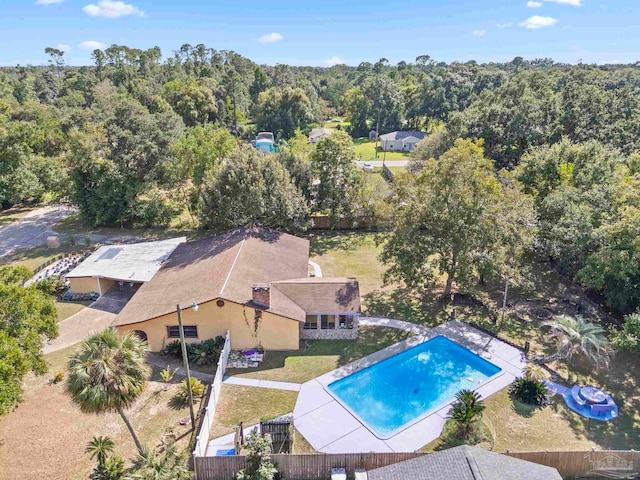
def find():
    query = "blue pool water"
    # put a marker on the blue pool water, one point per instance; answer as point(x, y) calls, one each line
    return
point(397, 391)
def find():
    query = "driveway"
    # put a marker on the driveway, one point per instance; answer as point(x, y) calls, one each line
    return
point(32, 229)
point(388, 163)
point(78, 327)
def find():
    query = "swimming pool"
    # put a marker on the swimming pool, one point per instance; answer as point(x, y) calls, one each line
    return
point(393, 394)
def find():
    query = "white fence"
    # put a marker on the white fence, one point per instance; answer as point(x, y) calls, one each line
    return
point(202, 440)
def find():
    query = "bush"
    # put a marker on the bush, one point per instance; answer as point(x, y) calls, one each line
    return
point(52, 285)
point(58, 377)
point(204, 353)
point(532, 392)
point(629, 337)
point(453, 435)
point(197, 389)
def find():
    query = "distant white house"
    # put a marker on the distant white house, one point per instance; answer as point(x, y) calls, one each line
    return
point(318, 133)
point(401, 141)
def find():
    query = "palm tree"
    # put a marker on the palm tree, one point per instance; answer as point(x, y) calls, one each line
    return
point(578, 336)
point(100, 448)
point(109, 373)
point(466, 410)
point(151, 466)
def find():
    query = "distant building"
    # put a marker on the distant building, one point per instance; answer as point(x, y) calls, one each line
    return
point(265, 142)
point(401, 141)
point(318, 133)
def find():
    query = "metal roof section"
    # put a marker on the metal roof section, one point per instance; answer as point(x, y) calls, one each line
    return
point(135, 262)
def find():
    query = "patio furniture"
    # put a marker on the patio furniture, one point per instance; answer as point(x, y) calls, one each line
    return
point(338, 474)
point(575, 394)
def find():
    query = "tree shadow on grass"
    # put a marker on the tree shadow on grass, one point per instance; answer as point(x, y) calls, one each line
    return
point(405, 304)
point(323, 242)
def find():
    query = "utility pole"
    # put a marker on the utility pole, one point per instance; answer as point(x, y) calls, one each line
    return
point(185, 359)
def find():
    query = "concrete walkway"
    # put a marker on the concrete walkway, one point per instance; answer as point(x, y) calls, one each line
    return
point(252, 382)
point(331, 428)
point(391, 323)
point(78, 327)
point(317, 271)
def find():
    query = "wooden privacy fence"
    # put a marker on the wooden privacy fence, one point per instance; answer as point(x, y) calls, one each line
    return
point(202, 440)
point(299, 467)
point(591, 464)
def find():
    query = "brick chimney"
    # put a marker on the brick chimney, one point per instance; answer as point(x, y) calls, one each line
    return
point(261, 295)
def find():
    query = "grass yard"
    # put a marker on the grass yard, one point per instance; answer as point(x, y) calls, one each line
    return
point(334, 125)
point(12, 214)
point(249, 405)
point(32, 258)
point(366, 150)
point(356, 254)
point(317, 357)
point(46, 435)
point(67, 309)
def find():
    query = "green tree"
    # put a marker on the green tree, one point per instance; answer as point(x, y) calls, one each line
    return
point(333, 165)
point(250, 188)
point(151, 465)
point(466, 411)
point(14, 275)
point(26, 317)
point(577, 336)
point(356, 108)
point(458, 219)
point(100, 448)
point(109, 373)
point(259, 465)
point(629, 337)
point(192, 101)
point(283, 110)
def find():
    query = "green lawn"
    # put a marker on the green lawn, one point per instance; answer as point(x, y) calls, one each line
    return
point(32, 258)
point(366, 150)
point(356, 254)
point(249, 405)
point(67, 309)
point(317, 357)
point(12, 214)
point(334, 125)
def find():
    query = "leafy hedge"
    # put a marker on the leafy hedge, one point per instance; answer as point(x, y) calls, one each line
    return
point(204, 353)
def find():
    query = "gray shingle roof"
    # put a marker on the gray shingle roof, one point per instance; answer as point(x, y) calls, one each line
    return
point(401, 135)
point(465, 463)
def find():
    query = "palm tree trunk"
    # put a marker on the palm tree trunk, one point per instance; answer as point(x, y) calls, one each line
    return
point(550, 358)
point(131, 430)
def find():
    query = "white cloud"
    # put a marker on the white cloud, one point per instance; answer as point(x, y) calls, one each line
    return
point(48, 2)
point(532, 4)
point(478, 33)
point(505, 25)
point(573, 3)
point(109, 9)
point(92, 45)
point(537, 21)
point(334, 61)
point(270, 38)
point(63, 47)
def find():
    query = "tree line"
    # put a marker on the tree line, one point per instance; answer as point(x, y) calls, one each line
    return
point(537, 158)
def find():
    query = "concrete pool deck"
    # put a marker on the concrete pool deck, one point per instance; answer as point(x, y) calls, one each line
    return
point(331, 428)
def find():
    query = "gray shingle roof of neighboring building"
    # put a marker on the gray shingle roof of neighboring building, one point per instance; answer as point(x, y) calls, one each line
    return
point(465, 463)
point(318, 133)
point(401, 135)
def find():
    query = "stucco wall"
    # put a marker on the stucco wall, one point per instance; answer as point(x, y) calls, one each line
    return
point(273, 332)
point(84, 285)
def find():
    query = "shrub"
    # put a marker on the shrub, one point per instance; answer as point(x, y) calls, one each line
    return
point(167, 374)
point(51, 285)
point(58, 377)
point(629, 337)
point(466, 411)
point(204, 353)
point(259, 465)
point(530, 392)
point(197, 389)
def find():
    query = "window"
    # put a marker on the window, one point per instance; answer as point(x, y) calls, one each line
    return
point(190, 331)
point(346, 321)
point(310, 322)
point(391, 145)
point(328, 322)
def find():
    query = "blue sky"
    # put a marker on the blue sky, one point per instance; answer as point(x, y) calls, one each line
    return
point(331, 31)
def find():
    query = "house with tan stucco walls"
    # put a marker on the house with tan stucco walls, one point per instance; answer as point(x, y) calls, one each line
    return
point(252, 282)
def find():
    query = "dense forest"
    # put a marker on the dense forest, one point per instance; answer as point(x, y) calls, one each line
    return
point(548, 153)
